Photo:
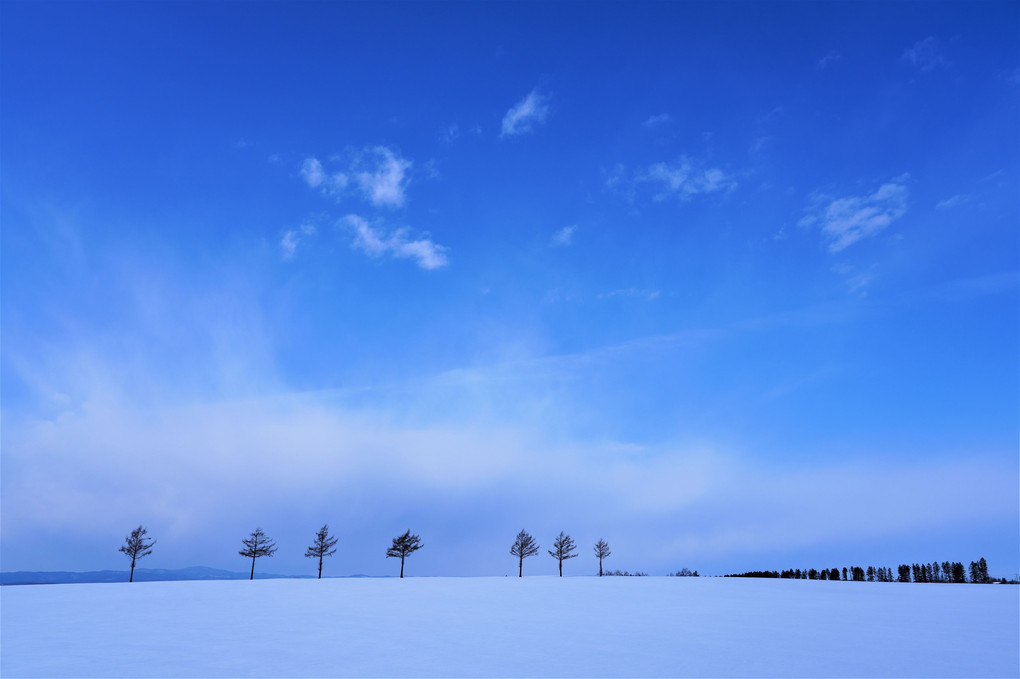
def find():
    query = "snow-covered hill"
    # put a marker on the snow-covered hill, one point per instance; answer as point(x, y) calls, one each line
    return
point(539, 626)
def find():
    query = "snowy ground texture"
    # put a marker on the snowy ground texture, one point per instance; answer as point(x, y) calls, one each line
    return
point(535, 627)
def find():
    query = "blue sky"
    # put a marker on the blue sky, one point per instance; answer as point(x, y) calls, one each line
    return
point(730, 285)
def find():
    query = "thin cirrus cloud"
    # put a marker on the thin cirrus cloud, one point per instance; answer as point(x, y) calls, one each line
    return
point(954, 201)
point(925, 54)
point(844, 221)
point(377, 243)
point(831, 57)
point(657, 120)
point(639, 293)
point(522, 118)
point(564, 236)
point(292, 237)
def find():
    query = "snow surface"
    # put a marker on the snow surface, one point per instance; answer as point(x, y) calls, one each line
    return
point(531, 627)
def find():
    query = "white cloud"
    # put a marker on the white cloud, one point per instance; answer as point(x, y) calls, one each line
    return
point(761, 143)
point(528, 112)
point(385, 182)
point(564, 236)
point(685, 178)
point(639, 293)
point(614, 177)
point(339, 182)
point(844, 221)
point(424, 251)
point(380, 173)
point(829, 58)
point(452, 133)
point(953, 201)
point(856, 281)
point(291, 238)
point(312, 171)
point(925, 54)
point(659, 119)
point(376, 243)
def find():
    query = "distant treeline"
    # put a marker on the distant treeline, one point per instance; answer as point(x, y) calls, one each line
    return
point(626, 573)
point(947, 571)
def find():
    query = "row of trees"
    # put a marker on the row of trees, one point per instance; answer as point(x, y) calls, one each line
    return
point(945, 571)
point(564, 548)
point(258, 545)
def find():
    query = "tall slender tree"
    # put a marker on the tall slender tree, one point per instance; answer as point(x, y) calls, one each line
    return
point(524, 546)
point(257, 545)
point(404, 546)
point(324, 545)
point(602, 552)
point(136, 546)
point(563, 549)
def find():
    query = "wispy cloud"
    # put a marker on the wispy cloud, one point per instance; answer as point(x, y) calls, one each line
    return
point(831, 57)
point(844, 221)
point(639, 293)
point(385, 181)
point(761, 143)
point(453, 132)
point(925, 54)
point(376, 243)
point(686, 178)
point(856, 281)
point(526, 114)
point(954, 201)
point(291, 238)
point(659, 119)
point(564, 236)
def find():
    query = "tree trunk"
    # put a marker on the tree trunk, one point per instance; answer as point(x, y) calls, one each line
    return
point(252, 569)
point(520, 568)
point(561, 568)
point(600, 566)
point(401, 566)
point(131, 578)
point(320, 567)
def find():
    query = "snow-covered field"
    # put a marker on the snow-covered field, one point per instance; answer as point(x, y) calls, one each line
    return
point(535, 627)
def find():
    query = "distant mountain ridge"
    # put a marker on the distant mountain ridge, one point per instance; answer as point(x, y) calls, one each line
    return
point(141, 575)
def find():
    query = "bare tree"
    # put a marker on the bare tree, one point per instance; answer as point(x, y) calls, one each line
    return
point(523, 547)
point(563, 546)
point(324, 545)
point(602, 552)
point(404, 546)
point(256, 545)
point(136, 546)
